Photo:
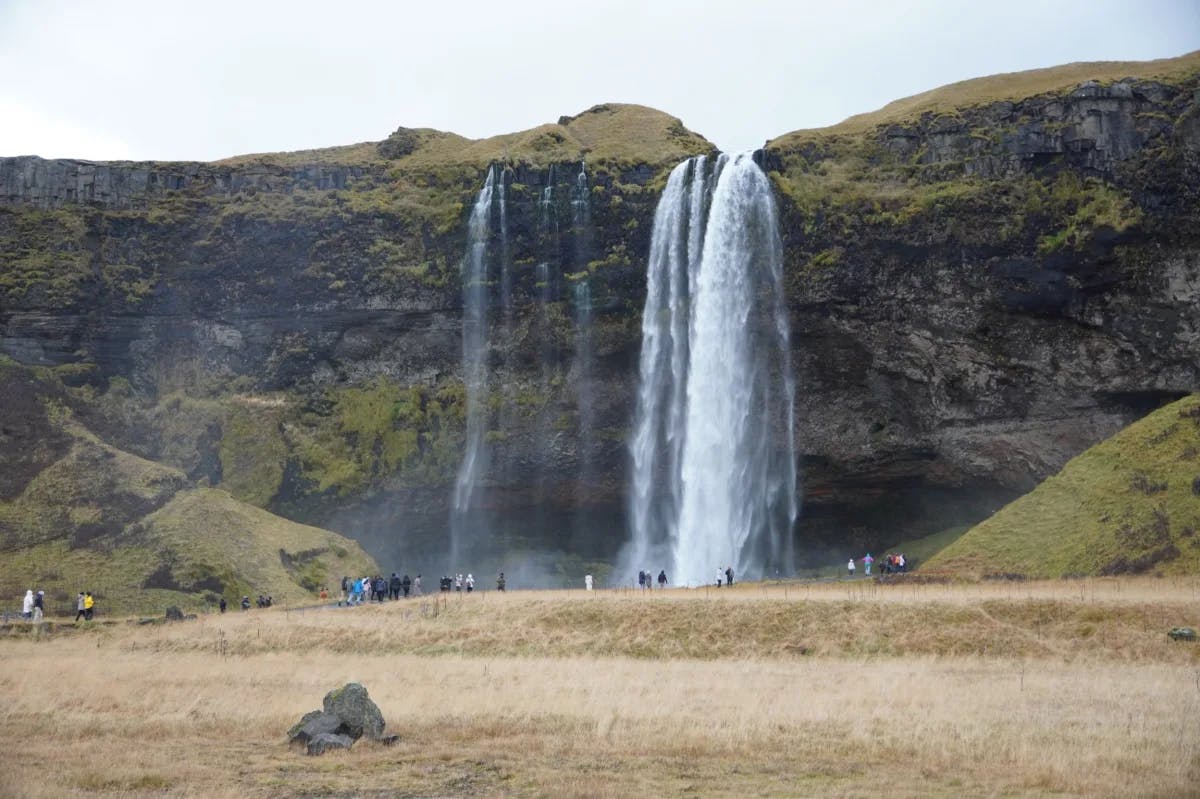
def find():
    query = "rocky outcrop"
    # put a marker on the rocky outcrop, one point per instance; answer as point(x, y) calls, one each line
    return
point(40, 183)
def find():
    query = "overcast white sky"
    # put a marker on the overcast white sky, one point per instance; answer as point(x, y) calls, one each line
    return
point(158, 79)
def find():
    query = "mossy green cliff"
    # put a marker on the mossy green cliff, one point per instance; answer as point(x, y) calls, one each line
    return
point(982, 283)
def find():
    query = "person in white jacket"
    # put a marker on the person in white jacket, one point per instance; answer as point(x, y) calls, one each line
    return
point(27, 604)
point(850, 568)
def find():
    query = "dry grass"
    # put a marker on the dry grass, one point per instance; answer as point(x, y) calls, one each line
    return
point(201, 709)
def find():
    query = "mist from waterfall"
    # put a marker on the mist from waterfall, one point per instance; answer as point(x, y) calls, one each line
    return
point(713, 457)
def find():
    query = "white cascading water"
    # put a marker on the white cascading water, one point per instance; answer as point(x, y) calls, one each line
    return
point(475, 370)
point(714, 475)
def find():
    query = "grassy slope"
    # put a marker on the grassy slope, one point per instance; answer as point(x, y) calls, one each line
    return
point(1006, 86)
point(1130, 503)
point(133, 531)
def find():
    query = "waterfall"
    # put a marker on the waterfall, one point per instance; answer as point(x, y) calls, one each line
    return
point(581, 218)
point(711, 488)
point(465, 525)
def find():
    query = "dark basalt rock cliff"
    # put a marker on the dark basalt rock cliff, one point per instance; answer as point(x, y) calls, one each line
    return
point(977, 295)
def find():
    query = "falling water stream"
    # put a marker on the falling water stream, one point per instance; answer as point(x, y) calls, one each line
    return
point(713, 458)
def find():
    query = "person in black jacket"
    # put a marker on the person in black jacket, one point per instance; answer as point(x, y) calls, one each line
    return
point(394, 586)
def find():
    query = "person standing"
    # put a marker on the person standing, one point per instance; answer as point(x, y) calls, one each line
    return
point(27, 604)
point(500, 582)
point(867, 561)
point(222, 605)
point(39, 606)
point(587, 582)
point(720, 576)
point(417, 585)
point(79, 609)
point(470, 582)
point(662, 578)
point(850, 568)
point(406, 584)
point(89, 605)
point(728, 575)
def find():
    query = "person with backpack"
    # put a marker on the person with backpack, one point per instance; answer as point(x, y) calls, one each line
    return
point(406, 585)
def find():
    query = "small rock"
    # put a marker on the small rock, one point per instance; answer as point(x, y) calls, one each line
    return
point(315, 724)
point(174, 614)
point(389, 740)
point(326, 741)
point(1182, 634)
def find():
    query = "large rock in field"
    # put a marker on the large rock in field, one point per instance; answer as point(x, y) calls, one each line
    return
point(359, 716)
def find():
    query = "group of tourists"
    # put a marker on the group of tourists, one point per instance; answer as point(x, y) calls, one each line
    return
point(356, 590)
point(33, 606)
point(458, 582)
point(646, 579)
point(892, 564)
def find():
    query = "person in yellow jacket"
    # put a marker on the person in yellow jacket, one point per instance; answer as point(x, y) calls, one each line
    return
point(89, 603)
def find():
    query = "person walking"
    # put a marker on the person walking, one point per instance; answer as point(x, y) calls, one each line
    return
point(500, 582)
point(39, 606)
point(27, 604)
point(222, 605)
point(662, 578)
point(728, 575)
point(417, 585)
point(850, 568)
point(79, 609)
point(470, 582)
point(867, 561)
point(89, 606)
point(406, 584)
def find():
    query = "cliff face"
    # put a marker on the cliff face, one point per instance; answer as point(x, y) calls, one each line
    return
point(977, 294)
point(988, 292)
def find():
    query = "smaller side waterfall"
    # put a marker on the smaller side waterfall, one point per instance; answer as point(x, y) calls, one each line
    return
point(466, 526)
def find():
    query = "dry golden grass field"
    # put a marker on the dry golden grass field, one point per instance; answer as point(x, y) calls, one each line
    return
point(1063, 688)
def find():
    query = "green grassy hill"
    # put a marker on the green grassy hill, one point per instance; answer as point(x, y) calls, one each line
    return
point(1130, 504)
point(79, 514)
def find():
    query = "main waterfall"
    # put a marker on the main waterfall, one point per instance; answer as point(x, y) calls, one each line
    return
point(714, 474)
